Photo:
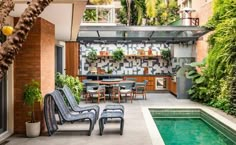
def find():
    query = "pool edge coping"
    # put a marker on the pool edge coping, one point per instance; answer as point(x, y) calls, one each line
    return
point(154, 132)
point(152, 129)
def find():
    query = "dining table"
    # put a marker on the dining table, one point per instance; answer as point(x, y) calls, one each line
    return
point(110, 83)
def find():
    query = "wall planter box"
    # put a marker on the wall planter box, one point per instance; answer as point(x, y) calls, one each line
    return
point(102, 53)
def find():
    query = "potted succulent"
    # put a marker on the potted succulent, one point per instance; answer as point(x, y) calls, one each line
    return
point(92, 55)
point(32, 94)
point(118, 54)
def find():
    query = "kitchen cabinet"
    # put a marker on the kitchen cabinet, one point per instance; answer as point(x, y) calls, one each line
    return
point(172, 86)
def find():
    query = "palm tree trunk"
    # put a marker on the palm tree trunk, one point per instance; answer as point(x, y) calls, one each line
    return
point(11, 46)
point(6, 6)
point(128, 2)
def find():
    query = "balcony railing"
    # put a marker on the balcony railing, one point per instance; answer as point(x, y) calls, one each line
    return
point(96, 14)
point(186, 22)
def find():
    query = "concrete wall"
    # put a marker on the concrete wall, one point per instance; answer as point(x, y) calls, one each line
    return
point(184, 50)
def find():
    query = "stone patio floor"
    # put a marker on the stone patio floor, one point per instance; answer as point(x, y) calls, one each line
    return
point(135, 129)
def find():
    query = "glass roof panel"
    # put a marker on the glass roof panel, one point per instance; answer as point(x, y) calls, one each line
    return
point(110, 33)
point(140, 33)
point(88, 34)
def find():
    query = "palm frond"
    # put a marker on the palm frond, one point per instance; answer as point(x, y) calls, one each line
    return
point(151, 8)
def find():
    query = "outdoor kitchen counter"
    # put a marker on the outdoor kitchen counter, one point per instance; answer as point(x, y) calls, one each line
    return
point(151, 86)
point(124, 75)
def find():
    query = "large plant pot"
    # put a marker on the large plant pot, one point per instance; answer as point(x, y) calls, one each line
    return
point(32, 129)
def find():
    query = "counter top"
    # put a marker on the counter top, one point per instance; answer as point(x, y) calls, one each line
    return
point(158, 75)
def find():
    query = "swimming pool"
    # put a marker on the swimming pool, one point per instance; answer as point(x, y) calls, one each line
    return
point(189, 126)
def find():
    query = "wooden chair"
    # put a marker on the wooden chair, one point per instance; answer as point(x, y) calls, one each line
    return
point(95, 91)
point(126, 89)
point(140, 88)
point(116, 93)
point(131, 79)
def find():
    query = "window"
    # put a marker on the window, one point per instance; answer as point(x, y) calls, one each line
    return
point(3, 106)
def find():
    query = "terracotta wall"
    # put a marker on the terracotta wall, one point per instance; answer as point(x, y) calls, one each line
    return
point(72, 58)
point(47, 56)
point(34, 61)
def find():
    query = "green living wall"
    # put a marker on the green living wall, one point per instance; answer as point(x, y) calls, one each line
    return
point(215, 85)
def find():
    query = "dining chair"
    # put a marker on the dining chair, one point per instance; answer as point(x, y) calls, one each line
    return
point(94, 90)
point(139, 88)
point(116, 93)
point(126, 89)
point(84, 86)
point(131, 79)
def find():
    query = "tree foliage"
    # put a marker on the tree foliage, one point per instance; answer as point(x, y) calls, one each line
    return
point(151, 8)
point(154, 12)
point(72, 82)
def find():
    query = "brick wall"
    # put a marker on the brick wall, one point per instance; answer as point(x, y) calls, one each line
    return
point(203, 12)
point(34, 61)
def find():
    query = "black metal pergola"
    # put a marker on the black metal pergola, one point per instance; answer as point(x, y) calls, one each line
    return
point(140, 34)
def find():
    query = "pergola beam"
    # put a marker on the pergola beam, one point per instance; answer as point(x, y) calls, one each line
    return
point(141, 28)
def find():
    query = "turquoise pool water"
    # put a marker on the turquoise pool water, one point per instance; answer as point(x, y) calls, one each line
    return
point(189, 131)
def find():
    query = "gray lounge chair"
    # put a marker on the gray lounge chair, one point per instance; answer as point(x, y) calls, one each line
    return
point(73, 104)
point(69, 116)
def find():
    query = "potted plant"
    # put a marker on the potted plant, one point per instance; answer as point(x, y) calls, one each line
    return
point(118, 54)
point(166, 55)
point(90, 15)
point(102, 52)
point(32, 94)
point(109, 71)
point(92, 55)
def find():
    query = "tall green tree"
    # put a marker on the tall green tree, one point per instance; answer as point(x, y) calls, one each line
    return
point(155, 12)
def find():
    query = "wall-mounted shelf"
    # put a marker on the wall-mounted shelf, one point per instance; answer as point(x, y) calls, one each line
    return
point(142, 56)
